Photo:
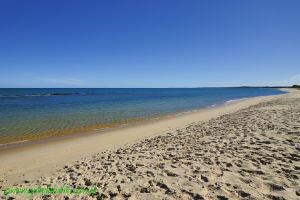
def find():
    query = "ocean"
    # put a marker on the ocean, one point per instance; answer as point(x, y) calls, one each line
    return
point(32, 114)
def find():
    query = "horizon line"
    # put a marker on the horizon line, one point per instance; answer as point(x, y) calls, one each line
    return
point(244, 86)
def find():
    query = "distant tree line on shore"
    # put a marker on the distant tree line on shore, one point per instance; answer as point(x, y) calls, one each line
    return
point(296, 86)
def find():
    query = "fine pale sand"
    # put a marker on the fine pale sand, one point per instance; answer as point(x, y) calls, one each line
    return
point(247, 149)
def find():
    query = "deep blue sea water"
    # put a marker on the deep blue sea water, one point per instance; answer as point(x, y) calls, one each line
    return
point(34, 112)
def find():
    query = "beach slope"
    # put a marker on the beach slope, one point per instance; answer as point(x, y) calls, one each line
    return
point(246, 149)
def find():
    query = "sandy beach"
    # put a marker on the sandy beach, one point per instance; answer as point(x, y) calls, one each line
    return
point(247, 149)
point(150, 100)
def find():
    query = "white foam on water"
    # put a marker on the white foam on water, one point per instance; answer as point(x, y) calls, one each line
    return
point(234, 100)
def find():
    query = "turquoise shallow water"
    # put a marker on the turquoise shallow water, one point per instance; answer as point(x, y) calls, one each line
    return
point(35, 113)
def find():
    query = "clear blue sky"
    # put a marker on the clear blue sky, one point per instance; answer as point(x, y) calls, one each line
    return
point(149, 43)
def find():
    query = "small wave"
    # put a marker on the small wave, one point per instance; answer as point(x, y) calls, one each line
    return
point(66, 94)
point(16, 142)
point(9, 96)
point(58, 94)
point(42, 95)
point(234, 100)
point(36, 95)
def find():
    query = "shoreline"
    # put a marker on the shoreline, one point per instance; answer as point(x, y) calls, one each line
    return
point(42, 158)
point(27, 141)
